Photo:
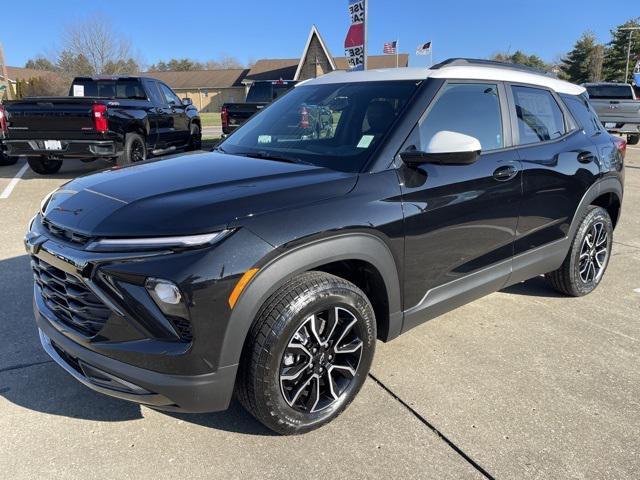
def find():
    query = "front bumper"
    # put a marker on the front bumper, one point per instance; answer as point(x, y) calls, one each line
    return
point(137, 353)
point(70, 149)
point(198, 393)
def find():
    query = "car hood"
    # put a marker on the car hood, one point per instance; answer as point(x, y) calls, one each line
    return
point(188, 194)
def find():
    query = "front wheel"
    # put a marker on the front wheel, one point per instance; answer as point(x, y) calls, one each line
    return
point(307, 354)
point(195, 138)
point(588, 258)
point(44, 166)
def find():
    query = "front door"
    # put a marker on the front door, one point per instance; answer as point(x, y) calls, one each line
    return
point(460, 220)
point(179, 115)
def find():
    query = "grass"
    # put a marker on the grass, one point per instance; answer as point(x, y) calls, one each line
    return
point(210, 119)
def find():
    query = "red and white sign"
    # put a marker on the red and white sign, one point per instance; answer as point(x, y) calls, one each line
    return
point(355, 41)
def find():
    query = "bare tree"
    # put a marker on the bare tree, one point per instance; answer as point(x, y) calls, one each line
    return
point(99, 45)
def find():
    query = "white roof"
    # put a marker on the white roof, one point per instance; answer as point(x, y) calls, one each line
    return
point(457, 72)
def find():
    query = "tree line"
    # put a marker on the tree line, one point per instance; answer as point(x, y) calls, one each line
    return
point(588, 60)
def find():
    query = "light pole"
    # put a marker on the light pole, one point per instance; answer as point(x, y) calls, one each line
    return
point(631, 30)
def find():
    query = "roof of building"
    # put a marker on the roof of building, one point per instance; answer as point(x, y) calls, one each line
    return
point(275, 69)
point(201, 78)
point(461, 72)
point(22, 74)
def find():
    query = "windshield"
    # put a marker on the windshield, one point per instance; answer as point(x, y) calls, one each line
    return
point(335, 126)
point(124, 88)
point(620, 92)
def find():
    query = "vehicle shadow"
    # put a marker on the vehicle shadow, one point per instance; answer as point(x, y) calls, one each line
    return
point(534, 287)
point(31, 380)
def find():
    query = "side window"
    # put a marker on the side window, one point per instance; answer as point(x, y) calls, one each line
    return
point(469, 108)
point(172, 98)
point(154, 93)
point(583, 112)
point(539, 116)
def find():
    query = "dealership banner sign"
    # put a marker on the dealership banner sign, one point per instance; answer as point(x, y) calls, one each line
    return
point(356, 40)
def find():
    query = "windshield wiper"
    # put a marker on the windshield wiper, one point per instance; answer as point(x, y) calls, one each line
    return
point(272, 156)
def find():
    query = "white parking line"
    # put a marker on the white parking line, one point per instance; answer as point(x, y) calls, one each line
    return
point(633, 148)
point(14, 181)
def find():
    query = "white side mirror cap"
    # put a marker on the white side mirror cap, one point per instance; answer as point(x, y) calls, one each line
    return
point(452, 142)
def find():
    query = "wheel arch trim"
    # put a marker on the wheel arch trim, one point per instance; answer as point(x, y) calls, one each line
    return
point(277, 271)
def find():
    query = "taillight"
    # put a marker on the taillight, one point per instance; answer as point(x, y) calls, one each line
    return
point(100, 118)
point(621, 143)
point(224, 117)
point(304, 118)
point(3, 120)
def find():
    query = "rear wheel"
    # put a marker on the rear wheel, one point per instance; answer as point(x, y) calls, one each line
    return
point(633, 139)
point(307, 354)
point(588, 257)
point(135, 150)
point(44, 166)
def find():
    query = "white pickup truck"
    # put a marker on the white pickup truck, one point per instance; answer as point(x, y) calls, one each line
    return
point(618, 108)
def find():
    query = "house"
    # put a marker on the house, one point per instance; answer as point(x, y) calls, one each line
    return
point(209, 89)
point(51, 82)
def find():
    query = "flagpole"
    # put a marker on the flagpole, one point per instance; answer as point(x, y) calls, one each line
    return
point(366, 21)
point(397, 48)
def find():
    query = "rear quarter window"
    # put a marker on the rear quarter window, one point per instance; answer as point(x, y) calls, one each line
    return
point(540, 118)
point(583, 113)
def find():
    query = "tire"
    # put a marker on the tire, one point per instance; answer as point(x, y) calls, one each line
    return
point(281, 343)
point(6, 160)
point(633, 139)
point(44, 166)
point(195, 138)
point(586, 262)
point(135, 150)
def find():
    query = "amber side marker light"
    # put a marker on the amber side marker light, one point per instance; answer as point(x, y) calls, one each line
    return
point(237, 290)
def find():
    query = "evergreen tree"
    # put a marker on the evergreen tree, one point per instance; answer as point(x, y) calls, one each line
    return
point(583, 63)
point(615, 60)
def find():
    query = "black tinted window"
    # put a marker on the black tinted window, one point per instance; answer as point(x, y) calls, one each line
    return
point(124, 88)
point(539, 116)
point(582, 111)
point(469, 108)
point(172, 98)
point(621, 92)
point(260, 93)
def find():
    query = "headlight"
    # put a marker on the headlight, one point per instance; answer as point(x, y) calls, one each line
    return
point(155, 243)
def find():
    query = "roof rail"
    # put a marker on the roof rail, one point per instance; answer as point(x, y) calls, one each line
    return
point(480, 62)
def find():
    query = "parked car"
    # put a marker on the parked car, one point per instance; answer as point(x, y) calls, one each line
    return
point(271, 265)
point(618, 108)
point(120, 118)
point(260, 94)
point(4, 158)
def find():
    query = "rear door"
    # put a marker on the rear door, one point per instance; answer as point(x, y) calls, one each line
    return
point(559, 163)
point(460, 220)
point(179, 115)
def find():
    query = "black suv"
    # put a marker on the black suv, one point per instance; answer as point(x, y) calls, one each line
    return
point(270, 266)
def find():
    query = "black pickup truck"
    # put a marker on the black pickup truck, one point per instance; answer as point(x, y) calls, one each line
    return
point(260, 95)
point(119, 118)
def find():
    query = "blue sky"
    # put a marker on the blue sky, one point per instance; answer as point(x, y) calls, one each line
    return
point(252, 29)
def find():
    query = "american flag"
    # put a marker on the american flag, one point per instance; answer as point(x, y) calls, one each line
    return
point(390, 48)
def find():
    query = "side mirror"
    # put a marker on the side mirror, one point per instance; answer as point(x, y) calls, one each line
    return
point(445, 148)
point(186, 102)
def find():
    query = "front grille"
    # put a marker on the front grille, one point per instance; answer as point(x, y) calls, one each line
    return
point(69, 299)
point(64, 233)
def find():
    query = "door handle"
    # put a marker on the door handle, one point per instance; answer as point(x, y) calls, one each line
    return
point(586, 157)
point(504, 173)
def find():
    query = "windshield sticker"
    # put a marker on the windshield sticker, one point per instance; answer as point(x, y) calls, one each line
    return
point(78, 90)
point(365, 141)
point(264, 138)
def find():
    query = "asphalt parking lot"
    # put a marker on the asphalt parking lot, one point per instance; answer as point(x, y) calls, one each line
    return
point(521, 384)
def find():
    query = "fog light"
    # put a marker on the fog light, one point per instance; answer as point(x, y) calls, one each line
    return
point(164, 291)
